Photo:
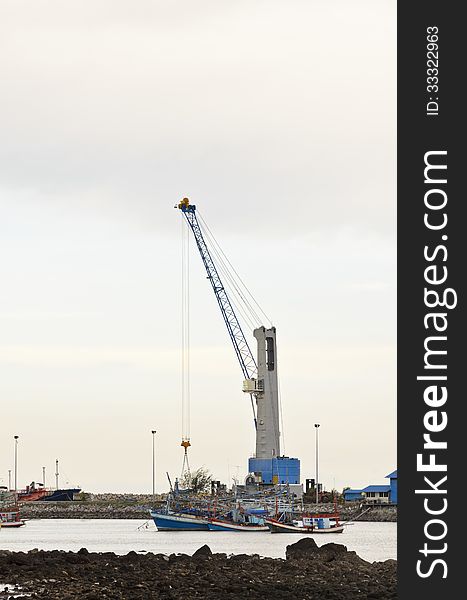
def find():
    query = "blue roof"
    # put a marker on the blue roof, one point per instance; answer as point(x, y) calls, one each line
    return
point(392, 475)
point(349, 491)
point(377, 488)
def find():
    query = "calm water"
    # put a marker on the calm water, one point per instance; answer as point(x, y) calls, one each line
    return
point(371, 541)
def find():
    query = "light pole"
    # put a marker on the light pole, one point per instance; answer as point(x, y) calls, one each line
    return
point(9, 480)
point(317, 463)
point(43, 477)
point(16, 462)
point(153, 432)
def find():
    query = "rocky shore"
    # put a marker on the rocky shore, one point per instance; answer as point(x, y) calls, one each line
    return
point(114, 506)
point(309, 572)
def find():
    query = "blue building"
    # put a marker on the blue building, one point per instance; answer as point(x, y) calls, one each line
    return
point(376, 494)
point(280, 469)
point(351, 495)
point(393, 485)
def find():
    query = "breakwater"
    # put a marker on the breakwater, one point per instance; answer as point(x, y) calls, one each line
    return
point(355, 511)
point(329, 571)
point(137, 506)
point(95, 506)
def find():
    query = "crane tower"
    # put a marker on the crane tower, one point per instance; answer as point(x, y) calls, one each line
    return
point(267, 402)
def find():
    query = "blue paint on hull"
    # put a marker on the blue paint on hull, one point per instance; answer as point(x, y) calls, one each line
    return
point(174, 522)
point(61, 495)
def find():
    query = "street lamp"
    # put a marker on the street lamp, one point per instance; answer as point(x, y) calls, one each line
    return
point(153, 431)
point(16, 462)
point(9, 480)
point(317, 463)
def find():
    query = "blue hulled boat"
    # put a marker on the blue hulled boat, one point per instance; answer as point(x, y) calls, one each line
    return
point(170, 521)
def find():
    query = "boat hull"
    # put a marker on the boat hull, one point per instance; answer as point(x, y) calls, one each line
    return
point(177, 522)
point(32, 496)
point(11, 524)
point(65, 495)
point(215, 525)
point(278, 527)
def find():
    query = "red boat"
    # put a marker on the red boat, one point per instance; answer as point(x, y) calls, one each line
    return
point(32, 492)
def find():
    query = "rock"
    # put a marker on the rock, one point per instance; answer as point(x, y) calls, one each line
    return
point(301, 549)
point(132, 556)
point(329, 572)
point(332, 551)
point(202, 552)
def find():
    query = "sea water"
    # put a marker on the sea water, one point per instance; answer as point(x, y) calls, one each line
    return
point(371, 541)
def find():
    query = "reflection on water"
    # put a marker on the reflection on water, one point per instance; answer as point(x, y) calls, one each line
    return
point(371, 541)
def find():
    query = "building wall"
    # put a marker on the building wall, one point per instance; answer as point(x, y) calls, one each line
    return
point(350, 496)
point(276, 470)
point(376, 497)
point(393, 496)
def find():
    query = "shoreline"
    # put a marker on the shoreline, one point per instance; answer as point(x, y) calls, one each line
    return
point(308, 572)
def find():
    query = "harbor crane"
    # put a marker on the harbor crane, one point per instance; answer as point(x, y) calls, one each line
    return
point(260, 373)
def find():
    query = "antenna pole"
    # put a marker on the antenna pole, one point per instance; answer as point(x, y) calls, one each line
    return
point(153, 432)
point(16, 462)
point(317, 463)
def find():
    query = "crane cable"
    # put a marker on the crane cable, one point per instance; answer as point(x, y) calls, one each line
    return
point(235, 285)
point(239, 297)
point(240, 283)
point(185, 358)
point(229, 282)
point(231, 273)
point(233, 296)
point(282, 438)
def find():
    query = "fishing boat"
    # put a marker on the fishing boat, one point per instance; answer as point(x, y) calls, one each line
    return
point(10, 519)
point(307, 525)
point(221, 525)
point(172, 521)
point(9, 511)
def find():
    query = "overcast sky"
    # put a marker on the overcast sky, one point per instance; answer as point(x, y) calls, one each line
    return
point(278, 120)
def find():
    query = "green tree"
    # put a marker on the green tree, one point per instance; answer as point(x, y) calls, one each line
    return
point(198, 481)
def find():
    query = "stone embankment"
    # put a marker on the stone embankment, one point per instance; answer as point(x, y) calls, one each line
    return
point(356, 511)
point(309, 572)
point(137, 506)
point(94, 506)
